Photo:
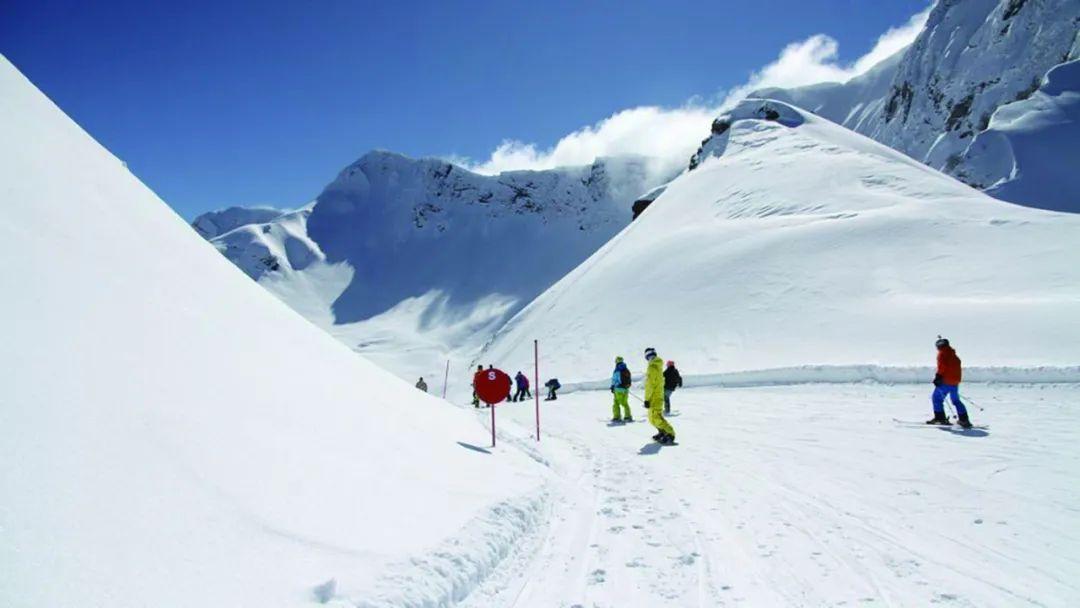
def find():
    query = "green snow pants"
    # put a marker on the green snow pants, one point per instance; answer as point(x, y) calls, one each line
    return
point(622, 399)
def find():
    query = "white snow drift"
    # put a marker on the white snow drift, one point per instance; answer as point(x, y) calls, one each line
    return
point(174, 436)
point(796, 242)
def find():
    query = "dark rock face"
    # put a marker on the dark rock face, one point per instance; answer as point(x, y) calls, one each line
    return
point(639, 207)
point(1012, 9)
point(959, 112)
point(901, 97)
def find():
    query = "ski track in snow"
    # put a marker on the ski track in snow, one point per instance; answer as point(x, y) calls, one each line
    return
point(804, 496)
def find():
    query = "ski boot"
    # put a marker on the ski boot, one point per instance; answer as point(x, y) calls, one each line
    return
point(616, 420)
point(964, 422)
point(628, 419)
point(658, 436)
point(667, 439)
point(942, 420)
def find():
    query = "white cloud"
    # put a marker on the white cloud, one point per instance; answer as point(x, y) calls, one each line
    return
point(815, 60)
point(671, 135)
point(647, 131)
point(892, 41)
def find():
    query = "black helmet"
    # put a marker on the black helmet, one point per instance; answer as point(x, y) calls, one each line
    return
point(941, 342)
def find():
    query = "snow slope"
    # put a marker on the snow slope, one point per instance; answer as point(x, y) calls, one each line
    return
point(808, 496)
point(261, 243)
point(217, 223)
point(796, 242)
point(1033, 144)
point(974, 65)
point(171, 435)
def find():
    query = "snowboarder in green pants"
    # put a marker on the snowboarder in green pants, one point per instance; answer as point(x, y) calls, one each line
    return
point(654, 397)
point(620, 389)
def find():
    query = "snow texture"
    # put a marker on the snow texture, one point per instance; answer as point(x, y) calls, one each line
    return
point(174, 436)
point(973, 68)
point(796, 242)
point(807, 496)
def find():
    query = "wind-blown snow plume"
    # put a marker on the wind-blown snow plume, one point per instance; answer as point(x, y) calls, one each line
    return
point(816, 59)
point(666, 135)
point(670, 135)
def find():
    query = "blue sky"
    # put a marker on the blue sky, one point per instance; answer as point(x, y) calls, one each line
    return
point(238, 103)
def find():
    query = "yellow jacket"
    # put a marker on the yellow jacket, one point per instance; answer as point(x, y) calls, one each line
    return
point(654, 383)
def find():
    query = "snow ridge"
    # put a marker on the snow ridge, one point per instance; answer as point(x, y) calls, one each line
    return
point(972, 60)
point(796, 240)
point(851, 374)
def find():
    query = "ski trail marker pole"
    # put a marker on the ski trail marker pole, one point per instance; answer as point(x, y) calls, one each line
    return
point(536, 383)
point(446, 377)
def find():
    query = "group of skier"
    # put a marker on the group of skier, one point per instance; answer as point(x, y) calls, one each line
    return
point(660, 383)
point(521, 383)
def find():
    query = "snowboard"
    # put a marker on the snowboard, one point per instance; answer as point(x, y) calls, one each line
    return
point(913, 423)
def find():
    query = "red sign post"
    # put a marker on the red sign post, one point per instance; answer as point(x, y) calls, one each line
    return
point(492, 387)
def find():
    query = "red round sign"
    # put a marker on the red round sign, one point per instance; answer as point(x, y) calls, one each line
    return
point(492, 385)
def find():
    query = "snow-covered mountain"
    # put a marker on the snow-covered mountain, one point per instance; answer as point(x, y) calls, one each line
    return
point(414, 261)
point(409, 226)
point(797, 242)
point(261, 240)
point(973, 97)
point(172, 435)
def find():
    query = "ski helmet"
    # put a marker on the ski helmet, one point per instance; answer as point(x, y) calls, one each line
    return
point(941, 342)
point(650, 353)
point(618, 359)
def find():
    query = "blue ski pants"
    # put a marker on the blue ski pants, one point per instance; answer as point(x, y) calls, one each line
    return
point(953, 391)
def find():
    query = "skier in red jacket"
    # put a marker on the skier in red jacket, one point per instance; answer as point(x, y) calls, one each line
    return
point(947, 383)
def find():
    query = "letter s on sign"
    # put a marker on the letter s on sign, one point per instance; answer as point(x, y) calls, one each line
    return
point(491, 376)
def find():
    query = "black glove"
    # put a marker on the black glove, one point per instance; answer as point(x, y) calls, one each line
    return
point(937, 380)
point(646, 405)
point(613, 390)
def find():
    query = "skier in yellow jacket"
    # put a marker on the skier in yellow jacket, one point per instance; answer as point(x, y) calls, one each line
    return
point(654, 397)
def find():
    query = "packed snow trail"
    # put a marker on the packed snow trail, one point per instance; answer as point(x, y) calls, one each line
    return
point(806, 496)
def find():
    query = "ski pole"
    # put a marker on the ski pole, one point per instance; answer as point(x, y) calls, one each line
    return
point(973, 402)
point(636, 397)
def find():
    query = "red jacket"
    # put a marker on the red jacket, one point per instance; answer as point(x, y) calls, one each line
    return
point(948, 365)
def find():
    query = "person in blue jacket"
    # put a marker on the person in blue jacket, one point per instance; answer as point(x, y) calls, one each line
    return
point(522, 387)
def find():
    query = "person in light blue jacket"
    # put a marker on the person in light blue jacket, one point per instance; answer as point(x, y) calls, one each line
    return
point(620, 388)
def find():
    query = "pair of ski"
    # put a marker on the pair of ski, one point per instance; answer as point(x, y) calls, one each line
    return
point(914, 423)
